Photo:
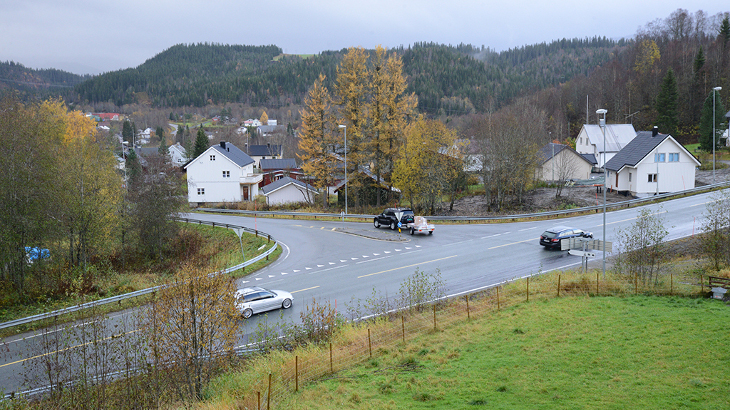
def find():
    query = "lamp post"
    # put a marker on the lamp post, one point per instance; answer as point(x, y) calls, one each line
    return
point(602, 124)
point(714, 92)
point(345, 127)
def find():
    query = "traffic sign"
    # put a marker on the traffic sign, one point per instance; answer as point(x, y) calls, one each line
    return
point(582, 253)
point(586, 244)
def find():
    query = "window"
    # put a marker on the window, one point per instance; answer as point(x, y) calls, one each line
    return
point(212, 157)
point(659, 157)
point(674, 157)
point(652, 178)
point(226, 174)
point(629, 176)
point(201, 191)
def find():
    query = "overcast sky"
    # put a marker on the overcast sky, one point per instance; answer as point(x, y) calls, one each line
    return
point(94, 36)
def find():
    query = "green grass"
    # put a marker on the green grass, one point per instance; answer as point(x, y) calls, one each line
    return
point(639, 352)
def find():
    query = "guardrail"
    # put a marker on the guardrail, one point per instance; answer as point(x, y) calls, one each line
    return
point(614, 205)
point(147, 291)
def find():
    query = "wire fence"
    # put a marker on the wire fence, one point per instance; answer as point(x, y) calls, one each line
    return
point(282, 375)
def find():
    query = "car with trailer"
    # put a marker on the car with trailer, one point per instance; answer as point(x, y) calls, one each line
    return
point(553, 237)
point(390, 217)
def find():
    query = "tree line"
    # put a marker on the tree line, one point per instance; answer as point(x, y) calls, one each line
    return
point(64, 191)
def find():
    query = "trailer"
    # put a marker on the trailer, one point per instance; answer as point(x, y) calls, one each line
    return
point(420, 225)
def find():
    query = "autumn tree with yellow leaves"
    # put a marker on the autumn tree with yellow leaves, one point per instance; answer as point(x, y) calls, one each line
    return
point(369, 99)
point(60, 190)
point(428, 163)
point(318, 137)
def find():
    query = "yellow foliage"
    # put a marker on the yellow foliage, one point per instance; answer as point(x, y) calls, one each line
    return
point(648, 55)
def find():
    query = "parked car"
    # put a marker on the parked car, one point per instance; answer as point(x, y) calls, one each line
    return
point(554, 236)
point(256, 300)
point(391, 216)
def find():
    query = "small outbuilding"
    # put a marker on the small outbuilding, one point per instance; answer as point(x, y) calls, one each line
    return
point(288, 190)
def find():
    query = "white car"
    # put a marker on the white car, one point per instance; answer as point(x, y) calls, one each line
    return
point(256, 300)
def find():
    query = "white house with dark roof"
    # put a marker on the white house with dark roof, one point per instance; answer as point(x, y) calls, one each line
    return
point(590, 140)
point(652, 163)
point(288, 190)
point(223, 173)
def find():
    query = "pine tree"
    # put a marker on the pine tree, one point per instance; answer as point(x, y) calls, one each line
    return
point(127, 132)
point(201, 143)
point(706, 121)
point(666, 105)
point(318, 137)
point(264, 119)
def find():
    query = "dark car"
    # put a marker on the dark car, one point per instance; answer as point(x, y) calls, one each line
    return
point(391, 216)
point(552, 237)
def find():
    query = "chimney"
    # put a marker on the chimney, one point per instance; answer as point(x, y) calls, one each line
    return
point(223, 144)
point(655, 131)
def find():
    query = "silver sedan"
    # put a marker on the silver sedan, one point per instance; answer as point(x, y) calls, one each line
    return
point(256, 300)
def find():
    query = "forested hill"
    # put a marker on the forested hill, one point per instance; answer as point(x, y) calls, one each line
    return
point(446, 79)
point(43, 82)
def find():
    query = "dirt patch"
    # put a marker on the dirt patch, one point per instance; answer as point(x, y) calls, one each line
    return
point(544, 199)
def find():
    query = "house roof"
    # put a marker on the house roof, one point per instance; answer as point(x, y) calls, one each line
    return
point(546, 152)
point(641, 146)
point(590, 158)
point(231, 152)
point(617, 136)
point(285, 163)
point(549, 150)
point(270, 128)
point(264, 150)
point(281, 183)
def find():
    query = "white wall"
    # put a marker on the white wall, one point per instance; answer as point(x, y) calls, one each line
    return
point(672, 176)
point(208, 174)
point(287, 194)
point(575, 167)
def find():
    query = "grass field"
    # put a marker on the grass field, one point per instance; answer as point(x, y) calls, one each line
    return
point(637, 352)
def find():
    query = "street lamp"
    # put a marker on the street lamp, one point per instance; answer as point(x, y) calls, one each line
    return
point(602, 124)
point(345, 127)
point(714, 92)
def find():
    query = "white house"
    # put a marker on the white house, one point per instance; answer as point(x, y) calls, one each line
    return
point(652, 163)
point(177, 153)
point(288, 190)
point(590, 140)
point(223, 173)
point(559, 162)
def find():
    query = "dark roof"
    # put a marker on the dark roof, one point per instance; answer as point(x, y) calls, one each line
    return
point(547, 152)
point(285, 163)
point(590, 158)
point(264, 150)
point(635, 150)
point(270, 128)
point(232, 152)
point(280, 183)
